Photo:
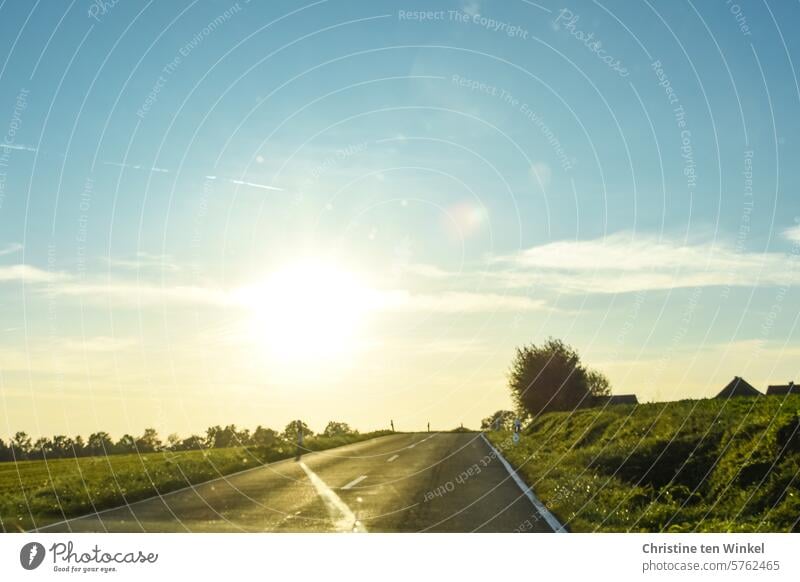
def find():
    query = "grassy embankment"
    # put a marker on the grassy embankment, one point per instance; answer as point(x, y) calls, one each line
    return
point(35, 493)
point(694, 465)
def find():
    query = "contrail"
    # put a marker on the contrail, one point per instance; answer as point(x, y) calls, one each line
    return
point(22, 148)
point(254, 185)
point(137, 167)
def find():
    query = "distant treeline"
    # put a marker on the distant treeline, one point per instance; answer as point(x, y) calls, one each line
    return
point(21, 447)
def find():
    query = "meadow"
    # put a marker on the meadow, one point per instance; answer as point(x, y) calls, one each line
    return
point(693, 465)
point(36, 493)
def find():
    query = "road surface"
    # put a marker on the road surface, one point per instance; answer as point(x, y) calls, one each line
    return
point(437, 482)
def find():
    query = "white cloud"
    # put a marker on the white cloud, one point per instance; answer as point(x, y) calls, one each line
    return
point(27, 274)
point(623, 263)
point(141, 261)
point(792, 234)
point(10, 249)
point(460, 302)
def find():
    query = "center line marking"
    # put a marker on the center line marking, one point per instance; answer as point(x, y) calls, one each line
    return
point(346, 520)
point(392, 458)
point(355, 482)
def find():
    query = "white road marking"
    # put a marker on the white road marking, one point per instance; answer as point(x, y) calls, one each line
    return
point(412, 446)
point(392, 458)
point(551, 519)
point(354, 482)
point(347, 520)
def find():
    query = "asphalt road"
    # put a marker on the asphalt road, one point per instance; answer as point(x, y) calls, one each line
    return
point(437, 482)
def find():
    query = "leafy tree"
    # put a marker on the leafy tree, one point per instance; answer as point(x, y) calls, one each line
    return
point(100, 443)
point(5, 451)
point(62, 446)
point(263, 437)
point(597, 383)
point(20, 445)
point(193, 443)
point(500, 420)
point(334, 429)
point(148, 442)
point(78, 446)
point(126, 444)
point(42, 448)
point(291, 430)
point(173, 441)
point(221, 438)
point(548, 377)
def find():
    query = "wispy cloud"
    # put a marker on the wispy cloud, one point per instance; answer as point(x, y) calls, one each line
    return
point(255, 185)
point(138, 167)
point(144, 261)
point(17, 147)
point(245, 183)
point(10, 249)
point(28, 274)
point(460, 302)
point(623, 263)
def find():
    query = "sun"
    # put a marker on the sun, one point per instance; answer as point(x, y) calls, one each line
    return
point(310, 310)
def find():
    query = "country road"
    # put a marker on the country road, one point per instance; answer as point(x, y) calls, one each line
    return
point(437, 482)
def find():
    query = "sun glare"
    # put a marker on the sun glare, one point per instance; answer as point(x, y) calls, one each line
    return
point(310, 310)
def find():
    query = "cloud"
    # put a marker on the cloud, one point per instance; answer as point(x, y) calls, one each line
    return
point(792, 234)
point(134, 294)
point(623, 263)
point(10, 249)
point(17, 147)
point(471, 7)
point(138, 167)
point(460, 302)
point(255, 185)
point(141, 261)
point(27, 274)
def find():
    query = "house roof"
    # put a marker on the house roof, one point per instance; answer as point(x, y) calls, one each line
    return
point(790, 388)
point(738, 387)
point(618, 399)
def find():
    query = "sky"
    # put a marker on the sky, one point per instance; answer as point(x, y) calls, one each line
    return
point(248, 212)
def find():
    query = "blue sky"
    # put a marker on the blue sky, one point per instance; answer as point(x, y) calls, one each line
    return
point(489, 173)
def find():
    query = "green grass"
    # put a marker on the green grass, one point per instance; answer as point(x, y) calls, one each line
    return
point(693, 465)
point(36, 493)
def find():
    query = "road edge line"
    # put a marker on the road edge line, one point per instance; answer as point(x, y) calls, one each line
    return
point(551, 519)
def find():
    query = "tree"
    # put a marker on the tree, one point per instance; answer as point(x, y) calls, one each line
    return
point(548, 377)
point(173, 442)
point(221, 438)
point(263, 437)
point(125, 444)
point(148, 442)
point(99, 443)
point(42, 448)
point(500, 420)
point(5, 451)
point(597, 383)
point(20, 446)
point(62, 446)
point(193, 443)
point(335, 428)
point(291, 430)
point(78, 446)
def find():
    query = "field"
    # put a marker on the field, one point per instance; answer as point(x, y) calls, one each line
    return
point(36, 493)
point(694, 465)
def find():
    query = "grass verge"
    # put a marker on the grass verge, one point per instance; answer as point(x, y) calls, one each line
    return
point(37, 493)
point(692, 465)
